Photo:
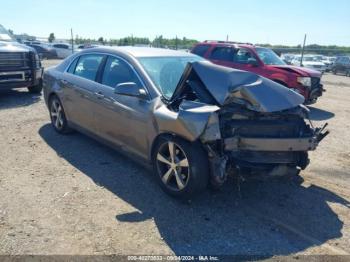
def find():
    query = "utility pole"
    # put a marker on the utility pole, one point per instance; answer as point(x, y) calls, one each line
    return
point(226, 38)
point(71, 34)
point(176, 43)
point(302, 52)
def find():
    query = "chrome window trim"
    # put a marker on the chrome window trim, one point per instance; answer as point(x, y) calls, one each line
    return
point(112, 55)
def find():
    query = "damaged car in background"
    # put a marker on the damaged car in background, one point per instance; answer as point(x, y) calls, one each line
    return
point(193, 121)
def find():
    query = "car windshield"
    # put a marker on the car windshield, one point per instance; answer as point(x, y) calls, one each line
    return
point(4, 34)
point(269, 57)
point(166, 72)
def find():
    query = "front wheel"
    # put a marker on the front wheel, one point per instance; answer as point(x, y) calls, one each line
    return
point(181, 167)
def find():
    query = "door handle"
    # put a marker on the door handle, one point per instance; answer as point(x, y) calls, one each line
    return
point(99, 95)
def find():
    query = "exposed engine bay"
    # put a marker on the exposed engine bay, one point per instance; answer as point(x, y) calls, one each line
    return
point(248, 124)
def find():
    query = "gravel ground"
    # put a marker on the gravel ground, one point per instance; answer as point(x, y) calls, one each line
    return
point(72, 195)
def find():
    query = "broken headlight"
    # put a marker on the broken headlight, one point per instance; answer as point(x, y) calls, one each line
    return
point(305, 81)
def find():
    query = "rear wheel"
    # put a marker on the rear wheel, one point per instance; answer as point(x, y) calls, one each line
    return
point(58, 117)
point(181, 167)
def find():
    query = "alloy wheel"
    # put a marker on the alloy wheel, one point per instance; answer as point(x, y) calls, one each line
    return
point(56, 113)
point(173, 166)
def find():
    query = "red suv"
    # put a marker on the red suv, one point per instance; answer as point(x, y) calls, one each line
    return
point(265, 62)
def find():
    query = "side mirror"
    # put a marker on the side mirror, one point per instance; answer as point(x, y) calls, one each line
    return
point(253, 62)
point(130, 89)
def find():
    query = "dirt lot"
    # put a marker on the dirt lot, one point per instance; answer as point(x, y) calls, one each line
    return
point(72, 195)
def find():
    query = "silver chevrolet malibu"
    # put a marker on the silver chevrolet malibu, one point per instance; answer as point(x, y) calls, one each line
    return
point(194, 122)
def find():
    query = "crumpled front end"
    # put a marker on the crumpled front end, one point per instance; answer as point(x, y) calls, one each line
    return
point(258, 144)
point(248, 124)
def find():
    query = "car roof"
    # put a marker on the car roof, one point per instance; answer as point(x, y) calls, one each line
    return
point(224, 43)
point(140, 51)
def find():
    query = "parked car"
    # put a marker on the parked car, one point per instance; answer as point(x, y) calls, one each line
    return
point(309, 61)
point(188, 118)
point(328, 61)
point(63, 50)
point(45, 52)
point(342, 65)
point(19, 65)
point(287, 58)
point(85, 46)
point(265, 62)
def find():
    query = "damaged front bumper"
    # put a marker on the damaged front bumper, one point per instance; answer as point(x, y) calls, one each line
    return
point(271, 156)
point(271, 144)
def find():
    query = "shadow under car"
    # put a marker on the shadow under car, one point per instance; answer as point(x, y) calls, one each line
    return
point(255, 222)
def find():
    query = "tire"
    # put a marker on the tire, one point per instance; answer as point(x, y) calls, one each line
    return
point(186, 173)
point(36, 89)
point(58, 116)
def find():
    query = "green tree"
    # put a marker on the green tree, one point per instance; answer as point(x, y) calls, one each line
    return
point(100, 39)
point(51, 37)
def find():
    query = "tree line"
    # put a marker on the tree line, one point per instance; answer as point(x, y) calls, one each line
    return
point(159, 41)
point(329, 50)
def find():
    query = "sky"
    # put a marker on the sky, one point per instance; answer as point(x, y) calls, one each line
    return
point(255, 21)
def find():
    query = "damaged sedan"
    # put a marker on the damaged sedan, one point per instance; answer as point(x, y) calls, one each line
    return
point(194, 122)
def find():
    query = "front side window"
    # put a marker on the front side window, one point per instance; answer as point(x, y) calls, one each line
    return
point(242, 56)
point(166, 72)
point(116, 72)
point(222, 54)
point(88, 66)
point(269, 57)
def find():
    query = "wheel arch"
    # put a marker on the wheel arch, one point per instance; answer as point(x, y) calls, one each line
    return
point(164, 135)
point(53, 94)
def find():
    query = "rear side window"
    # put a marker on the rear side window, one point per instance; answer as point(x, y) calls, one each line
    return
point(72, 66)
point(87, 66)
point(116, 72)
point(222, 54)
point(200, 49)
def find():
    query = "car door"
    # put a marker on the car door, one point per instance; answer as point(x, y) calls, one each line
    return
point(80, 90)
point(122, 119)
point(244, 59)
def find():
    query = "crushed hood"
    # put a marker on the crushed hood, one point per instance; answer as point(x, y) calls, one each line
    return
point(227, 85)
point(302, 71)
